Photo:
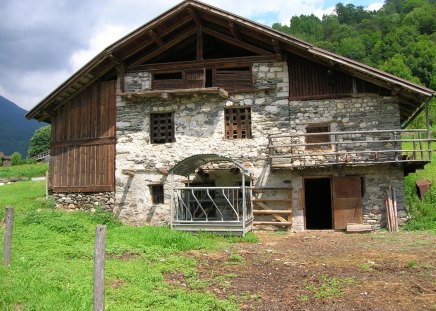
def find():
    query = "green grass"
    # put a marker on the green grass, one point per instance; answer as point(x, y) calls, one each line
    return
point(52, 260)
point(422, 212)
point(326, 287)
point(25, 171)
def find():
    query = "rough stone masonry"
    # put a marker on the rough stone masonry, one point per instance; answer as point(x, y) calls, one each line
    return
point(199, 128)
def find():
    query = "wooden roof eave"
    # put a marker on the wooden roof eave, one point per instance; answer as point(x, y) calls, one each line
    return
point(282, 39)
point(359, 67)
point(99, 58)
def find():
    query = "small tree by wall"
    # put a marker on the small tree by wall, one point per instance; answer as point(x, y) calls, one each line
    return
point(40, 141)
point(16, 159)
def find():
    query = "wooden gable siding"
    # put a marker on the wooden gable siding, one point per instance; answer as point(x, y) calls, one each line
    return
point(311, 80)
point(83, 142)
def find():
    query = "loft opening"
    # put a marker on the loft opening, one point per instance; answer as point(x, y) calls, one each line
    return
point(318, 136)
point(157, 193)
point(318, 203)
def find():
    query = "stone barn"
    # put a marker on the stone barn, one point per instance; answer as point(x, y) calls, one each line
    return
point(205, 120)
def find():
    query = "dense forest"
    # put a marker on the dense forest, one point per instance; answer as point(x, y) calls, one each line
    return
point(400, 38)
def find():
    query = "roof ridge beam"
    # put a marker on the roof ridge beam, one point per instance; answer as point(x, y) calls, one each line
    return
point(195, 17)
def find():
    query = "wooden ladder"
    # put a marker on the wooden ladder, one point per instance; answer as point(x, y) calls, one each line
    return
point(267, 203)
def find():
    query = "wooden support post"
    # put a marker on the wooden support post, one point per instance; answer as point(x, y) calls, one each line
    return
point(7, 245)
point(99, 256)
point(200, 43)
point(427, 125)
point(46, 185)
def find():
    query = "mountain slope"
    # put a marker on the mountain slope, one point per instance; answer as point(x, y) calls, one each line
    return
point(15, 129)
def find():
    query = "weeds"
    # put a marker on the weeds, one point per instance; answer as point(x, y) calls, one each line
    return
point(326, 287)
point(412, 264)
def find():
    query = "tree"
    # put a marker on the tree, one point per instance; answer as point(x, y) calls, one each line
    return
point(40, 141)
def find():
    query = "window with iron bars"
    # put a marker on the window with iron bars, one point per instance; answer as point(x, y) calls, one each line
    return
point(238, 123)
point(162, 128)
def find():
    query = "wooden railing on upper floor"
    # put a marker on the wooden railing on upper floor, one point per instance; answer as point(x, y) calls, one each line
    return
point(350, 148)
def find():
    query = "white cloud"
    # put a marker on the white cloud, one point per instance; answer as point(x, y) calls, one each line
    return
point(97, 43)
point(374, 6)
point(320, 12)
point(28, 88)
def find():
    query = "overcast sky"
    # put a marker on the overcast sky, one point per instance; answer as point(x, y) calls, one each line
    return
point(43, 42)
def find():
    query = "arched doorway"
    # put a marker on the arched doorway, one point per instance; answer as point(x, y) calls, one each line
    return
point(202, 204)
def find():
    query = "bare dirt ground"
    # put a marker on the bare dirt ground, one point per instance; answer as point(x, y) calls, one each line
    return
point(324, 271)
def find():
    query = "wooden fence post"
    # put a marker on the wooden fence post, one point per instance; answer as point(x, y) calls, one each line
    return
point(99, 255)
point(7, 245)
point(46, 185)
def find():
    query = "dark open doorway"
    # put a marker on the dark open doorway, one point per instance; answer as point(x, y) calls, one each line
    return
point(317, 192)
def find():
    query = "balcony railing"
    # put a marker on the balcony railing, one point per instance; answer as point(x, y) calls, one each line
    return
point(350, 148)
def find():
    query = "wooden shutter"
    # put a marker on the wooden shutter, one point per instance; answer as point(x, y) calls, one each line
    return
point(347, 201)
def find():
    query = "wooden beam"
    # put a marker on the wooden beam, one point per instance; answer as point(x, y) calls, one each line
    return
point(277, 49)
point(236, 42)
point(200, 44)
point(121, 68)
point(84, 142)
point(143, 45)
point(156, 38)
point(166, 46)
point(234, 30)
point(195, 17)
point(210, 63)
point(165, 94)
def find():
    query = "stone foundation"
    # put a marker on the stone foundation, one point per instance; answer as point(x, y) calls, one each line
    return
point(85, 201)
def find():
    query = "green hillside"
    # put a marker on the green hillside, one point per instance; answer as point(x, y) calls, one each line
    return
point(15, 129)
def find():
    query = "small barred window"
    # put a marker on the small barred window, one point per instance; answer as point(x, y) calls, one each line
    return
point(162, 128)
point(238, 123)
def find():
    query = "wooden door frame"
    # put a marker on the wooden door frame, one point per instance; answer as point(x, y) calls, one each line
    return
point(330, 178)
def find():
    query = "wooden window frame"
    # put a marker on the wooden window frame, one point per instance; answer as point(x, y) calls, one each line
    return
point(321, 138)
point(236, 127)
point(164, 134)
point(157, 193)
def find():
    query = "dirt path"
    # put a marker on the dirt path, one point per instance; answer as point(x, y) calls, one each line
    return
point(326, 271)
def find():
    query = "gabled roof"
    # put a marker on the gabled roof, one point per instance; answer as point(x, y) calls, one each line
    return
point(183, 21)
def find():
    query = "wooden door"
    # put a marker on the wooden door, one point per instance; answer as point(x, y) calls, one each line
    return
point(347, 201)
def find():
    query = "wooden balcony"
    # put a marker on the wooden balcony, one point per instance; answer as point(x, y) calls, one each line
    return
point(412, 148)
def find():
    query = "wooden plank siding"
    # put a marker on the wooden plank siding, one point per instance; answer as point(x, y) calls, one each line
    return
point(311, 80)
point(83, 141)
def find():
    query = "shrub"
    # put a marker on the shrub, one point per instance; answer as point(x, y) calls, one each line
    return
point(16, 159)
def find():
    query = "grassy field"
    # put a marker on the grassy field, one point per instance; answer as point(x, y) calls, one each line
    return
point(422, 212)
point(24, 171)
point(52, 260)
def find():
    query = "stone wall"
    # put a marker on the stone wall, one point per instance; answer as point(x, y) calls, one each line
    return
point(85, 201)
point(199, 128)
